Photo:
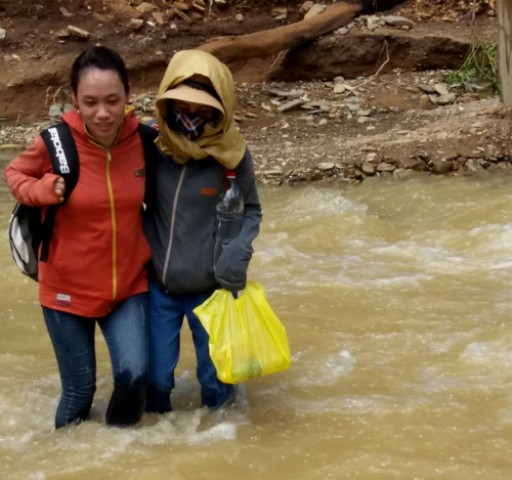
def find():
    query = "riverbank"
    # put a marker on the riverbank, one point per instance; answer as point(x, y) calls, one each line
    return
point(369, 99)
point(394, 124)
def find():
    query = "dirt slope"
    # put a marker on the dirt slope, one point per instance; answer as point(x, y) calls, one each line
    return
point(36, 54)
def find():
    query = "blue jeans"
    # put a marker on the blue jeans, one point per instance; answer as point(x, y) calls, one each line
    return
point(125, 332)
point(166, 314)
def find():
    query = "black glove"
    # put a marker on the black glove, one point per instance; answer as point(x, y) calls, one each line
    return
point(231, 267)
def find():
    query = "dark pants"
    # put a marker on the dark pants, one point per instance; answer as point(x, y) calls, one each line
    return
point(166, 314)
point(125, 332)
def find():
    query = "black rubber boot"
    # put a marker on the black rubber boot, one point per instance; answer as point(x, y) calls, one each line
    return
point(158, 401)
point(126, 406)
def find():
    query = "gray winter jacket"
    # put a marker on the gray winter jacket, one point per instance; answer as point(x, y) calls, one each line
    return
point(181, 226)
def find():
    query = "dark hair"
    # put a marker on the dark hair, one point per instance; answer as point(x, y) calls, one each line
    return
point(99, 57)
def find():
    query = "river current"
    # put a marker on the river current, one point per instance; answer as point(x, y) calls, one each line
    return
point(396, 296)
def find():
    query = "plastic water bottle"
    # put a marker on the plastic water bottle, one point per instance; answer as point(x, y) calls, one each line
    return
point(230, 211)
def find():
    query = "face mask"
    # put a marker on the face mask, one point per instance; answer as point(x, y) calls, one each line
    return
point(189, 124)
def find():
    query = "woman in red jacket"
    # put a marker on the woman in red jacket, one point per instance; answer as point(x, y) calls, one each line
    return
point(96, 266)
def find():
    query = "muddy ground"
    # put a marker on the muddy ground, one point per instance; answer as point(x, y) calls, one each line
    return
point(369, 93)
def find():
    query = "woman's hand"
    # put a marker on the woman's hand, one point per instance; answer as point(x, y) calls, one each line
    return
point(60, 187)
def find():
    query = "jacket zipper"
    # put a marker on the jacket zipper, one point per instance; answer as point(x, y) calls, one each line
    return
point(171, 229)
point(114, 226)
point(112, 207)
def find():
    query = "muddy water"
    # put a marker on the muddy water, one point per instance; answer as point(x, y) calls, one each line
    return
point(396, 298)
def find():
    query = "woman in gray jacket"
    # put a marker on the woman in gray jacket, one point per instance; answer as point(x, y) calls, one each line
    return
point(199, 144)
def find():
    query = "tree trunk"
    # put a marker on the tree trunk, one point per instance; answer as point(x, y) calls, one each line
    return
point(268, 42)
point(505, 49)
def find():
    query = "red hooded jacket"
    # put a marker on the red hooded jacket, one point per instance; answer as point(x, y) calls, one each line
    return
point(98, 252)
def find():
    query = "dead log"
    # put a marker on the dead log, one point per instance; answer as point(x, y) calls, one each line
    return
point(268, 42)
point(505, 49)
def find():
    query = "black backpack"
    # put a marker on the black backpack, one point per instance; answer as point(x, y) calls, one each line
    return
point(27, 231)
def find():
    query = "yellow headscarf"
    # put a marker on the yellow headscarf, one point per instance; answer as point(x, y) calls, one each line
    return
point(222, 141)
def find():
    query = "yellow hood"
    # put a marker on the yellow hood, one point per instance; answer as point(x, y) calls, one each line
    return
point(222, 141)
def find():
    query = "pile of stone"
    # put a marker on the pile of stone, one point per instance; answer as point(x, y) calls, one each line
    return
point(447, 10)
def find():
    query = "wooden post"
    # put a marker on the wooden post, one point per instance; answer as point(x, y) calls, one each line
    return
point(505, 49)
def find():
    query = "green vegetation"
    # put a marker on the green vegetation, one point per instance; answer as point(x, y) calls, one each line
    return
point(479, 71)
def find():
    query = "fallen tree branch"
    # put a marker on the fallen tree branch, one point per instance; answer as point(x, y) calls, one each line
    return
point(268, 42)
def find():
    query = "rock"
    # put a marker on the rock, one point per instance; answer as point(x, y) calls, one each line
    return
point(442, 167)
point(426, 88)
point(179, 13)
point(12, 146)
point(159, 19)
point(316, 9)
point(325, 166)
point(373, 22)
point(341, 31)
point(353, 107)
point(77, 32)
point(316, 107)
point(441, 89)
point(385, 167)
point(443, 99)
point(199, 7)
point(292, 104)
point(404, 173)
point(415, 164)
point(273, 173)
point(181, 6)
point(146, 7)
point(368, 169)
point(3, 33)
point(397, 21)
point(473, 166)
point(306, 6)
point(58, 109)
point(424, 101)
point(313, 176)
point(286, 93)
point(136, 23)
point(62, 34)
point(365, 113)
point(280, 13)
point(65, 12)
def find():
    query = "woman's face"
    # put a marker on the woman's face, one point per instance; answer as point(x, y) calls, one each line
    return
point(101, 100)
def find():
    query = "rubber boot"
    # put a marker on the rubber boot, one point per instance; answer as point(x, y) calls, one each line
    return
point(158, 401)
point(126, 406)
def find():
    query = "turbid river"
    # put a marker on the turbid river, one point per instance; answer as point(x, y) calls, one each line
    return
point(396, 296)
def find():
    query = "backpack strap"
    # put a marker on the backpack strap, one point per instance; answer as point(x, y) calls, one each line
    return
point(64, 158)
point(148, 134)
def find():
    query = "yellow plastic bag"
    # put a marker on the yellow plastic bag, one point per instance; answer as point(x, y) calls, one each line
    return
point(247, 340)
